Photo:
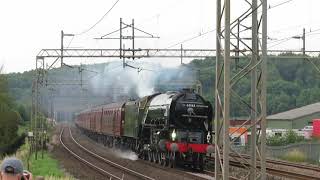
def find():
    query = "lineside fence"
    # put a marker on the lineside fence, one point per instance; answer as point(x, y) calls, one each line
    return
point(310, 151)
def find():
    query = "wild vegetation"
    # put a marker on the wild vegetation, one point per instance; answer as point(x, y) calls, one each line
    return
point(295, 156)
point(11, 115)
point(46, 167)
point(289, 137)
point(291, 83)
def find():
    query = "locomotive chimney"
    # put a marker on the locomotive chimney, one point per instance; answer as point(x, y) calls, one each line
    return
point(187, 90)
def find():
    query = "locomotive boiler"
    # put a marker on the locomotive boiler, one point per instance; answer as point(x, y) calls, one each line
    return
point(166, 128)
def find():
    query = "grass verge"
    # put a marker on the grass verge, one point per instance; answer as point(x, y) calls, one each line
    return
point(45, 166)
point(295, 156)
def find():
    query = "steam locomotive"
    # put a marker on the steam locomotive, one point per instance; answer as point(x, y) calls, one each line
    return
point(167, 128)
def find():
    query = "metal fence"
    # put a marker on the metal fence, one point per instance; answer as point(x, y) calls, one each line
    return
point(310, 150)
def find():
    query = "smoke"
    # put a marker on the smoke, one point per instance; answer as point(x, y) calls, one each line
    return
point(138, 79)
point(110, 82)
point(126, 154)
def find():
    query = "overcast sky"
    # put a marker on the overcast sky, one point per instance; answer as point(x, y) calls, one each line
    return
point(29, 26)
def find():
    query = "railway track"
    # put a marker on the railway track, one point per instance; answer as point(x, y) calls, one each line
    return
point(182, 173)
point(285, 163)
point(211, 173)
point(286, 173)
point(302, 166)
point(94, 165)
point(98, 163)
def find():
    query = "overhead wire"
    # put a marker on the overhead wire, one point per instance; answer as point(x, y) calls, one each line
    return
point(283, 40)
point(87, 30)
point(191, 38)
point(282, 3)
point(93, 26)
point(212, 30)
point(70, 42)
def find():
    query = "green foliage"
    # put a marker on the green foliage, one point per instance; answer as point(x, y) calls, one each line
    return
point(9, 117)
point(46, 166)
point(276, 141)
point(291, 83)
point(8, 127)
point(295, 156)
point(289, 137)
point(23, 113)
point(292, 137)
point(308, 96)
point(5, 100)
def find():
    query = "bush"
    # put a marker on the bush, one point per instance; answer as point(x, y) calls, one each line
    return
point(295, 156)
point(290, 137)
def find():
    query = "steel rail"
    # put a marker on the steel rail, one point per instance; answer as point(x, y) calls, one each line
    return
point(211, 173)
point(87, 162)
point(285, 163)
point(135, 173)
point(277, 171)
point(282, 173)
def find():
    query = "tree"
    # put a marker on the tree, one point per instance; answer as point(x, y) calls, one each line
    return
point(308, 96)
point(23, 113)
point(8, 117)
point(8, 127)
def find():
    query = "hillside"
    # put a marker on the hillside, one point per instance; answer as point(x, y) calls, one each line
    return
point(291, 83)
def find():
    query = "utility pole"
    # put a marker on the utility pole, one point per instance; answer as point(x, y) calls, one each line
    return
point(254, 58)
point(120, 38)
point(238, 44)
point(263, 98)
point(226, 92)
point(181, 54)
point(254, 68)
point(303, 37)
point(62, 48)
point(131, 37)
point(218, 119)
point(304, 42)
point(36, 117)
point(62, 35)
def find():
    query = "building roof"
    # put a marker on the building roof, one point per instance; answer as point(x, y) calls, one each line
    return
point(296, 113)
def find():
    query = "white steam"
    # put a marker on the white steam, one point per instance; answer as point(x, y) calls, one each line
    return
point(126, 154)
point(136, 81)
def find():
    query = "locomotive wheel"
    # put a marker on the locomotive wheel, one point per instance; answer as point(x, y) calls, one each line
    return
point(159, 158)
point(201, 167)
point(150, 156)
point(154, 157)
point(201, 163)
point(143, 155)
point(172, 160)
point(163, 159)
point(109, 144)
point(166, 159)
